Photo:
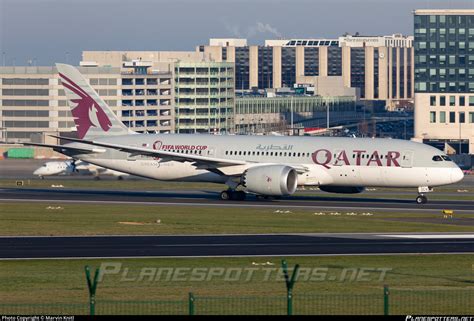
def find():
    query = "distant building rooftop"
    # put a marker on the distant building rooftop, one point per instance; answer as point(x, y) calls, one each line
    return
point(225, 42)
point(444, 12)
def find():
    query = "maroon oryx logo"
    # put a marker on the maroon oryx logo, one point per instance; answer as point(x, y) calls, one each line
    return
point(87, 112)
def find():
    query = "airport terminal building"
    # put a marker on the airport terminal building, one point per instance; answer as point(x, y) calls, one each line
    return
point(444, 79)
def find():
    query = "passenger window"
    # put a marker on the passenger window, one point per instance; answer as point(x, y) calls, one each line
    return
point(437, 158)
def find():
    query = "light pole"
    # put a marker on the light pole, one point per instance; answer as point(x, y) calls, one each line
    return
point(4, 133)
point(291, 115)
point(460, 145)
point(327, 116)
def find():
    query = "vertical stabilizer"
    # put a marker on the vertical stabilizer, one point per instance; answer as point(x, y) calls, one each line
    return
point(93, 117)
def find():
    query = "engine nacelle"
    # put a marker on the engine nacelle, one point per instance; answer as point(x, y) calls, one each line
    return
point(342, 189)
point(271, 180)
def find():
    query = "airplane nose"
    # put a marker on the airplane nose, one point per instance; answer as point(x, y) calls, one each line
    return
point(456, 175)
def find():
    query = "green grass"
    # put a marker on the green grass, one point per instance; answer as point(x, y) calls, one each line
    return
point(112, 184)
point(84, 219)
point(56, 281)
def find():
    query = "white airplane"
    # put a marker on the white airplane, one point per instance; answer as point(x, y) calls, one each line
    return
point(267, 166)
point(73, 167)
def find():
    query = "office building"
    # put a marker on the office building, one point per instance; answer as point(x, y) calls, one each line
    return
point(444, 79)
point(203, 90)
point(204, 97)
point(33, 104)
point(379, 67)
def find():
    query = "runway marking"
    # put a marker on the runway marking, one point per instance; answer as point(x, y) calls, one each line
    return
point(274, 205)
point(231, 256)
point(434, 236)
point(335, 234)
point(305, 244)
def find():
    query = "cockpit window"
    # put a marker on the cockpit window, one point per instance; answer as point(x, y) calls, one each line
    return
point(437, 158)
point(446, 158)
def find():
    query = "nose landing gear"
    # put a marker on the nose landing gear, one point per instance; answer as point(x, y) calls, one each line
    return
point(421, 199)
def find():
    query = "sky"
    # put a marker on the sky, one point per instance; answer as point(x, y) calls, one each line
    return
point(43, 32)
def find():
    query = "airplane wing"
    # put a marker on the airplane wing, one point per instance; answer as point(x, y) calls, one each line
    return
point(180, 157)
point(64, 148)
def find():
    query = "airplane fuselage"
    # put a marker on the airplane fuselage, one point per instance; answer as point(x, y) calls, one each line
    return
point(327, 161)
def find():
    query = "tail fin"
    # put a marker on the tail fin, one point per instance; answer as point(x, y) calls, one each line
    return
point(91, 114)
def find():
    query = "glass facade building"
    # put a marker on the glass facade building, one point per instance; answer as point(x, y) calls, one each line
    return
point(444, 79)
point(263, 114)
point(242, 67)
point(288, 70)
point(444, 53)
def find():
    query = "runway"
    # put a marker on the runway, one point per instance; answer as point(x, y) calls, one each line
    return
point(211, 198)
point(232, 245)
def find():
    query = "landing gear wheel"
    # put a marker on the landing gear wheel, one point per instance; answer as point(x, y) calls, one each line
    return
point(239, 196)
point(226, 195)
point(421, 199)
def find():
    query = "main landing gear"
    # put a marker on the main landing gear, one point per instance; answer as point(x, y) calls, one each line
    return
point(421, 198)
point(232, 195)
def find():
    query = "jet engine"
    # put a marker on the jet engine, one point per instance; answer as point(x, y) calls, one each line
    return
point(270, 180)
point(342, 189)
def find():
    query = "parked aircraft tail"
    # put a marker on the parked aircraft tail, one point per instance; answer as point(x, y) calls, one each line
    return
point(92, 116)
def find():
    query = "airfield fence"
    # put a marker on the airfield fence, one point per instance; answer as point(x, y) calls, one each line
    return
point(389, 301)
